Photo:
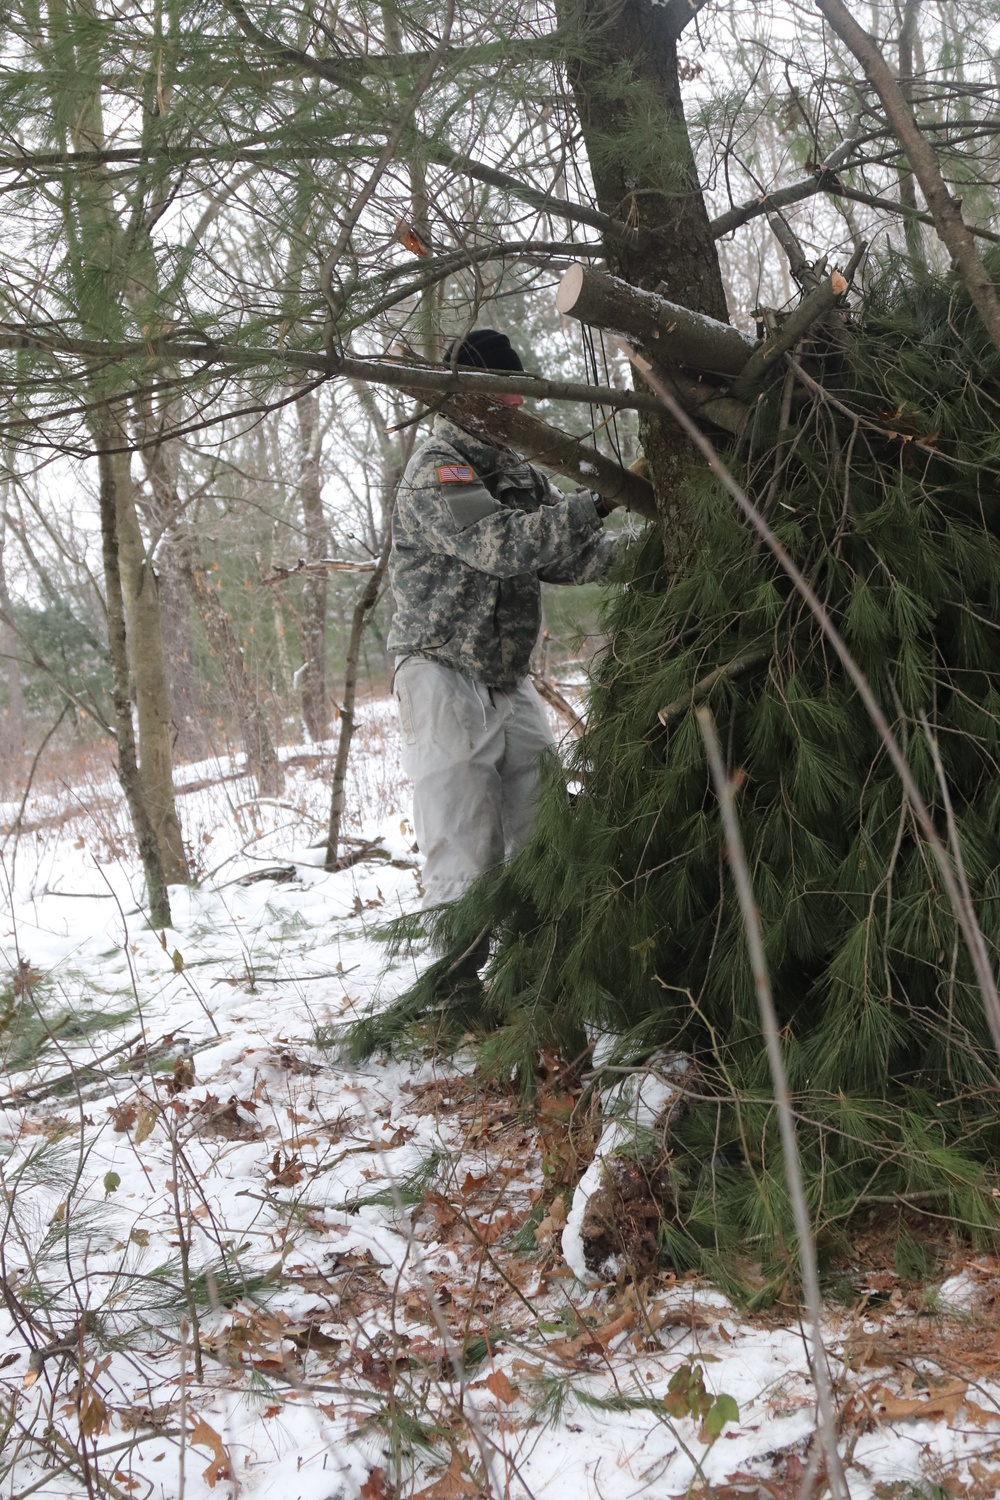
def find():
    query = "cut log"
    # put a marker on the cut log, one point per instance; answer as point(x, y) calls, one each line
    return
point(675, 335)
point(573, 457)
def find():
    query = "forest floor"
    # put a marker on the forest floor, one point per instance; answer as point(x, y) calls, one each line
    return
point(232, 1265)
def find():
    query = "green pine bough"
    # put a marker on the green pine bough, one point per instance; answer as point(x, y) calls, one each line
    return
point(620, 914)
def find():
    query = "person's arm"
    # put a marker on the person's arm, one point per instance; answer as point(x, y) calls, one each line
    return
point(456, 515)
point(594, 562)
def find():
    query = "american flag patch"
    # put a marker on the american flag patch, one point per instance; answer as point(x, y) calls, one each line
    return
point(456, 474)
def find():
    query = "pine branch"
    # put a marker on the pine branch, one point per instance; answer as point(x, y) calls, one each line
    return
point(457, 161)
point(823, 182)
point(396, 374)
point(740, 666)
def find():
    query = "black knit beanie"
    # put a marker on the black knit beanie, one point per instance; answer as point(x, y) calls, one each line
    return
point(485, 349)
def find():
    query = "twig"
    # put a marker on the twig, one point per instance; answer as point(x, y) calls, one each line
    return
point(735, 668)
point(324, 565)
point(818, 1360)
point(547, 689)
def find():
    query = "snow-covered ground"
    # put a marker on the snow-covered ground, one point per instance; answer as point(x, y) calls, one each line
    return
point(230, 1263)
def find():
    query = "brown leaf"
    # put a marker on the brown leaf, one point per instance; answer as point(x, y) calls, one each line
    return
point(183, 1075)
point(93, 1412)
point(943, 1403)
point(410, 239)
point(376, 1487)
point(490, 1230)
point(501, 1387)
point(288, 1175)
point(207, 1437)
point(148, 1115)
point(452, 1485)
point(123, 1117)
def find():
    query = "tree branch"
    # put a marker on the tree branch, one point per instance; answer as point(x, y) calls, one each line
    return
point(574, 457)
point(951, 227)
point(679, 13)
point(397, 374)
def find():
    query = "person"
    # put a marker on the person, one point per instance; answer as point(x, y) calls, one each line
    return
point(476, 531)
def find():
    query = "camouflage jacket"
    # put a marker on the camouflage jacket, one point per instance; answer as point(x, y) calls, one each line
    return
point(475, 531)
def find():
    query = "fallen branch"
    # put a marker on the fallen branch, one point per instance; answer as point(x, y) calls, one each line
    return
point(671, 332)
point(546, 688)
point(573, 457)
point(322, 565)
point(813, 307)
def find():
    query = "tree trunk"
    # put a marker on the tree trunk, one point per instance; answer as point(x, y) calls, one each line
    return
point(262, 758)
point(315, 704)
point(133, 785)
point(12, 725)
point(149, 676)
point(625, 82)
point(359, 619)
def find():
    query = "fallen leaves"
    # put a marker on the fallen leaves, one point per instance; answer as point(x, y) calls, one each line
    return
point(232, 1121)
point(453, 1484)
point(552, 1224)
point(288, 1174)
point(123, 1116)
point(943, 1404)
point(375, 1486)
point(501, 1388)
point(204, 1436)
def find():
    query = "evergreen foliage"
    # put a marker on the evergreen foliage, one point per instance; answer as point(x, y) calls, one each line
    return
point(75, 659)
point(620, 916)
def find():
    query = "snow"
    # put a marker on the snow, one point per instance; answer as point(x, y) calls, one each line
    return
point(359, 1227)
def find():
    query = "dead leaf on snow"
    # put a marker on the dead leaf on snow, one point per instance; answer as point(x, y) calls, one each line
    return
point(206, 1437)
point(123, 1116)
point(501, 1387)
point(452, 1485)
point(945, 1403)
point(376, 1486)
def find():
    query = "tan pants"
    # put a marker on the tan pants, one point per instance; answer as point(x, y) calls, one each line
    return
point(472, 754)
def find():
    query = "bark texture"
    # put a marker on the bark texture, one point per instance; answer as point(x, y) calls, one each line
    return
point(262, 758)
point(626, 85)
point(12, 723)
point(359, 619)
point(315, 589)
point(140, 590)
point(128, 767)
